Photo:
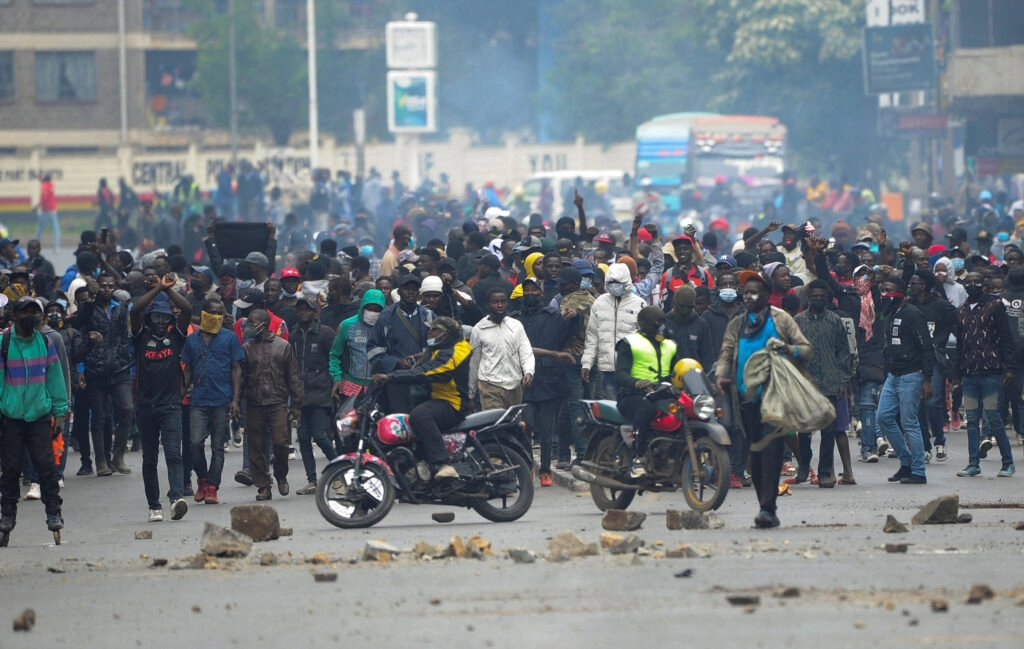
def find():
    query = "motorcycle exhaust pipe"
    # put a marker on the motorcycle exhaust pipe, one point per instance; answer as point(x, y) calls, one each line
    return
point(580, 473)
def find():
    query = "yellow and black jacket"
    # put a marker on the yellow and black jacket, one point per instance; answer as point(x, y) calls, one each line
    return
point(447, 372)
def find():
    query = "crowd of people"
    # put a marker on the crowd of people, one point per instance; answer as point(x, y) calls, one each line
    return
point(155, 340)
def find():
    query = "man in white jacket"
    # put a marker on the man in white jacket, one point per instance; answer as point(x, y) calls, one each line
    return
point(502, 364)
point(612, 318)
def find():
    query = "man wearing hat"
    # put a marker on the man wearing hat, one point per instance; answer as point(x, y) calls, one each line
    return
point(256, 265)
point(574, 302)
point(922, 235)
point(202, 284)
point(744, 336)
point(401, 333)
point(312, 341)
point(487, 277)
point(401, 236)
point(158, 338)
point(9, 257)
point(34, 396)
point(253, 298)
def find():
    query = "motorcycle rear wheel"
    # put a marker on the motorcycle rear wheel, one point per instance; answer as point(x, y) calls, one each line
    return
point(505, 510)
point(349, 502)
point(705, 489)
point(605, 497)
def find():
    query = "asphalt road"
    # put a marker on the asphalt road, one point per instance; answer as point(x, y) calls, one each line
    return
point(99, 589)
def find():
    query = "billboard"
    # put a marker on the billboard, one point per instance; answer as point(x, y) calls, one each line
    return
point(411, 102)
point(411, 44)
point(899, 58)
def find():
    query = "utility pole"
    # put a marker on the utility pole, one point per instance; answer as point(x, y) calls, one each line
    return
point(232, 84)
point(122, 69)
point(314, 125)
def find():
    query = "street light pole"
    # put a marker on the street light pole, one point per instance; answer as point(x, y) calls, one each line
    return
point(232, 84)
point(314, 126)
point(122, 70)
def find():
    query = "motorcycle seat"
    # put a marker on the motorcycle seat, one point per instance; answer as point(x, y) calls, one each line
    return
point(478, 420)
point(608, 411)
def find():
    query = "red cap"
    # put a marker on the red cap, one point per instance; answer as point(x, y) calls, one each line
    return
point(936, 249)
point(290, 272)
point(604, 238)
point(684, 237)
point(720, 224)
point(643, 235)
point(719, 180)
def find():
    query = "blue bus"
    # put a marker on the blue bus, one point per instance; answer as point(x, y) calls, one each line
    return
point(663, 152)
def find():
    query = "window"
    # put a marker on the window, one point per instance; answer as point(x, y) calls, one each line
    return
point(991, 23)
point(66, 76)
point(6, 74)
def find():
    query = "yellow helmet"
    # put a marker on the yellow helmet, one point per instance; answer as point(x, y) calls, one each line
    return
point(683, 366)
point(601, 186)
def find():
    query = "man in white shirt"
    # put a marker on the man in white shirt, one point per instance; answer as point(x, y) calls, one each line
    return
point(502, 364)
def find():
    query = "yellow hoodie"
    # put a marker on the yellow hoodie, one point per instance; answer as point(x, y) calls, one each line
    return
point(517, 292)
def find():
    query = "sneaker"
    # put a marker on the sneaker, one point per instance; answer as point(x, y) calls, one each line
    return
point(211, 495)
point(236, 434)
point(765, 520)
point(291, 453)
point(969, 471)
point(308, 490)
point(85, 469)
point(178, 509)
point(913, 478)
point(927, 457)
point(986, 446)
point(735, 482)
point(264, 493)
point(563, 465)
point(33, 492)
point(54, 522)
point(445, 472)
point(899, 475)
point(188, 488)
point(954, 421)
point(243, 477)
point(637, 469)
point(869, 458)
point(156, 515)
point(882, 445)
point(891, 453)
point(1007, 471)
point(200, 494)
point(788, 468)
point(940, 453)
point(545, 480)
point(282, 487)
point(60, 483)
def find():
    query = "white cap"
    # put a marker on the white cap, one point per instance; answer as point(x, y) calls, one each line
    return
point(432, 284)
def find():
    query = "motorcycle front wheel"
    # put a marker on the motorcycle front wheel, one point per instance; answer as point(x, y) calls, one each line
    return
point(706, 486)
point(351, 501)
point(515, 485)
point(605, 497)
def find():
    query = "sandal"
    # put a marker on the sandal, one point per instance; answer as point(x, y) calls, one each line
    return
point(846, 481)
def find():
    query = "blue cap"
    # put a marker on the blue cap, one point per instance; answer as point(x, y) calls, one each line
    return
point(160, 304)
point(585, 267)
point(984, 195)
point(728, 260)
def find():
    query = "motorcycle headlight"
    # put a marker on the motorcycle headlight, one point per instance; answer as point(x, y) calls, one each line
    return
point(704, 406)
point(348, 422)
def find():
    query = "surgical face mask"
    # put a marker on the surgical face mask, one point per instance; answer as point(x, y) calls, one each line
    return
point(957, 263)
point(366, 251)
point(289, 295)
point(617, 289)
point(727, 295)
point(370, 317)
point(586, 283)
point(432, 342)
point(253, 331)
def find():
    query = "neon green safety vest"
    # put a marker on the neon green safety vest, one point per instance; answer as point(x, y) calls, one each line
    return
point(646, 363)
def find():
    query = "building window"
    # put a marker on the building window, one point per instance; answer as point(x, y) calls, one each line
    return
point(991, 23)
point(6, 74)
point(66, 76)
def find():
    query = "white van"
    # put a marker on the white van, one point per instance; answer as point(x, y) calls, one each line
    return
point(562, 183)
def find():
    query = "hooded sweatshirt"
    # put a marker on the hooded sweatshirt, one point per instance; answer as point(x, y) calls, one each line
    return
point(349, 361)
point(954, 291)
point(32, 379)
point(517, 292)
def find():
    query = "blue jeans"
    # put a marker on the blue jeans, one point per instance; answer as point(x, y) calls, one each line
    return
point(212, 422)
point(161, 425)
point(869, 433)
point(48, 217)
point(981, 402)
point(576, 414)
point(315, 426)
point(902, 395)
point(933, 412)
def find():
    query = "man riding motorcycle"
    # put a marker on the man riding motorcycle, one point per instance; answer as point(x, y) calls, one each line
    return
point(642, 360)
point(446, 368)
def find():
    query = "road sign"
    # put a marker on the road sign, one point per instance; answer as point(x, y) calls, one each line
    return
point(411, 44)
point(905, 12)
point(411, 101)
point(899, 58)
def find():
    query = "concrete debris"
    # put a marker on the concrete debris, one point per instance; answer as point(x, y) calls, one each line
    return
point(285, 531)
point(443, 517)
point(196, 608)
point(325, 577)
point(320, 558)
point(25, 621)
point(56, 570)
point(893, 526)
point(379, 551)
point(143, 535)
point(896, 548)
point(979, 593)
point(744, 600)
point(685, 573)
point(158, 563)
point(1019, 526)
point(456, 548)
point(567, 545)
point(424, 549)
point(940, 605)
point(221, 542)
point(619, 520)
point(631, 543)
point(268, 559)
point(689, 520)
point(682, 552)
point(964, 517)
point(608, 539)
point(788, 593)
point(519, 555)
point(258, 522)
point(942, 510)
point(478, 548)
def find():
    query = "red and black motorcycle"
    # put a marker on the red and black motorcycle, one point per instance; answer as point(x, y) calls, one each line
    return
point(687, 450)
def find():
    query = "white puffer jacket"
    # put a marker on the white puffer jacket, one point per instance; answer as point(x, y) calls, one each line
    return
point(611, 320)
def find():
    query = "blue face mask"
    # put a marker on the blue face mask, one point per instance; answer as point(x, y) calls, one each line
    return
point(727, 295)
point(586, 283)
point(366, 251)
point(957, 263)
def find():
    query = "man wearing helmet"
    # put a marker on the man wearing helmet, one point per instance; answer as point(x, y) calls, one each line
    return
point(446, 369)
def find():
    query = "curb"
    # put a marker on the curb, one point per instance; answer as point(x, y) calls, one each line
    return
point(564, 479)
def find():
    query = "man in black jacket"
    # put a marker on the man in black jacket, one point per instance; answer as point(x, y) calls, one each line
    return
point(909, 357)
point(940, 317)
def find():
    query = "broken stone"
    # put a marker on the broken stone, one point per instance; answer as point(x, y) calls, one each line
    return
point(321, 577)
point(631, 543)
point(196, 609)
point(744, 600)
point(478, 548)
point(25, 621)
point(567, 545)
point(56, 570)
point(197, 562)
point(378, 550)
point(456, 548)
point(979, 593)
point(608, 539)
point(673, 519)
point(619, 520)
point(896, 548)
point(942, 510)
point(424, 549)
point(893, 526)
point(158, 563)
point(939, 605)
point(258, 522)
point(684, 574)
point(443, 517)
point(285, 531)
point(268, 559)
point(682, 552)
point(320, 558)
point(787, 593)
point(221, 542)
point(1019, 526)
point(520, 555)
point(964, 517)
point(143, 535)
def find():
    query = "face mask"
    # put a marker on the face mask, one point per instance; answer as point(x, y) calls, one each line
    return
point(55, 320)
point(366, 251)
point(974, 292)
point(727, 295)
point(496, 317)
point(431, 342)
point(244, 272)
point(253, 331)
point(28, 323)
point(817, 305)
point(371, 317)
point(210, 323)
point(531, 302)
point(616, 289)
point(586, 284)
point(862, 285)
point(196, 286)
point(958, 264)
point(290, 295)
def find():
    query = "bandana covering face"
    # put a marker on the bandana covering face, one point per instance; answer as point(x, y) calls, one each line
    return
point(867, 306)
point(210, 323)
